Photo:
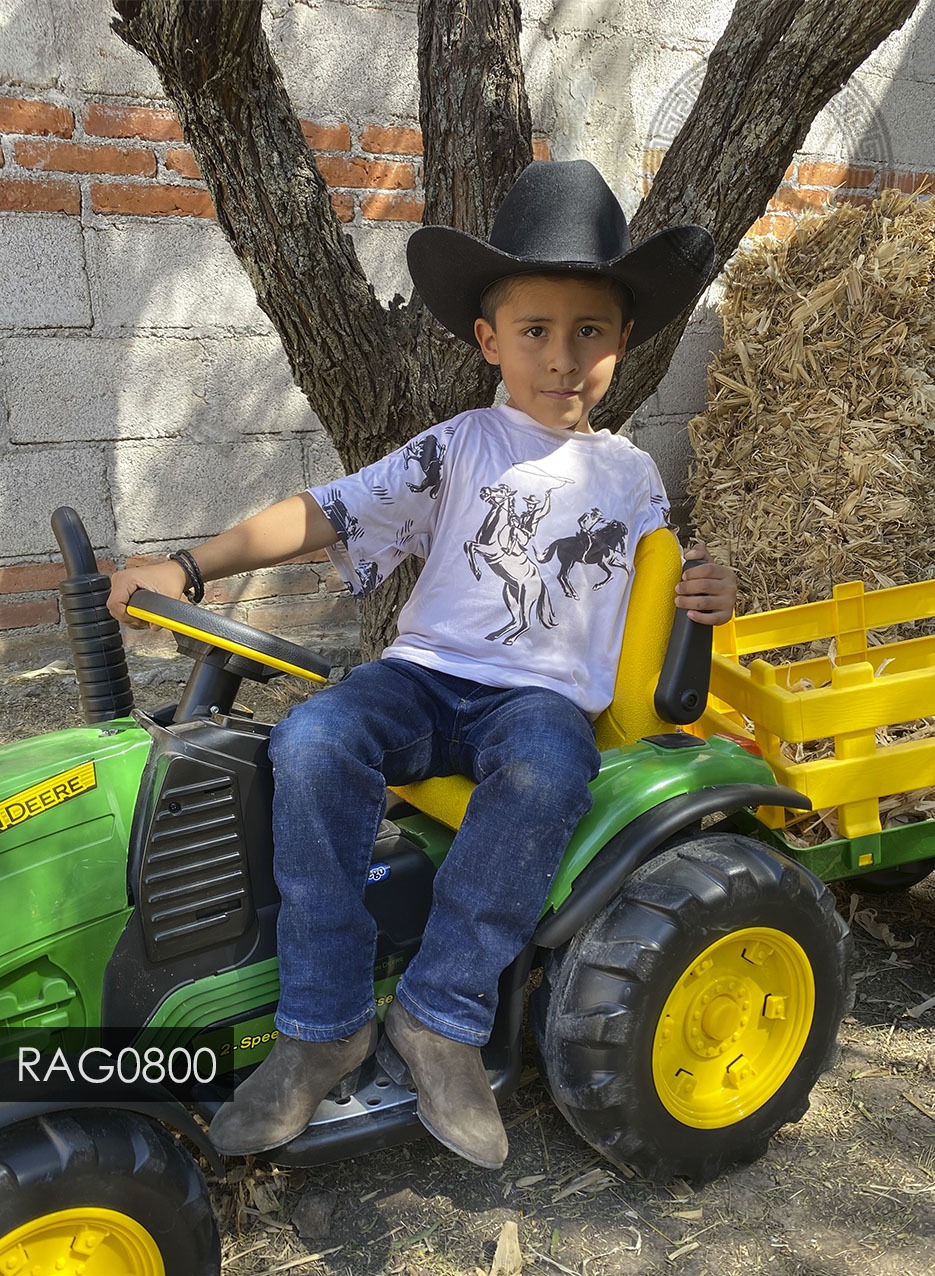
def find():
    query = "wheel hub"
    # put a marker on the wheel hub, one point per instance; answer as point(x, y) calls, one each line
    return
point(89, 1241)
point(733, 1027)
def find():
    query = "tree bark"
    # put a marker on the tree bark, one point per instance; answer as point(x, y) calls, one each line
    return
point(375, 375)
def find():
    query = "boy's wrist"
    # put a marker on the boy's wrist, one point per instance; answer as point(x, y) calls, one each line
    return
point(193, 583)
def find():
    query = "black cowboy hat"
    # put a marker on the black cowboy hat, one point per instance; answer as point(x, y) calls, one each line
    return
point(560, 216)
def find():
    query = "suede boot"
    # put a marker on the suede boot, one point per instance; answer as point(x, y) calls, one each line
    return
point(277, 1101)
point(455, 1101)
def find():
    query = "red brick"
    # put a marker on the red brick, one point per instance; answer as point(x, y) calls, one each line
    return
point(859, 201)
point(151, 123)
point(343, 205)
point(280, 582)
point(275, 617)
point(28, 578)
point(908, 183)
point(78, 157)
point(816, 173)
point(18, 115)
point(364, 174)
point(541, 150)
point(652, 159)
point(180, 160)
point(821, 173)
point(151, 201)
point(23, 615)
point(399, 208)
point(771, 224)
point(326, 137)
point(391, 141)
point(796, 200)
point(24, 196)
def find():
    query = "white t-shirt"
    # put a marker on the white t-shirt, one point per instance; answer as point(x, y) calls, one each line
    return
point(528, 537)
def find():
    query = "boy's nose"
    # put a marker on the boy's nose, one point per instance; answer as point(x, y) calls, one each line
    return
point(563, 359)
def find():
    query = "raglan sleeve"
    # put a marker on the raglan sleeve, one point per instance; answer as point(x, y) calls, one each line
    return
point(386, 511)
point(655, 512)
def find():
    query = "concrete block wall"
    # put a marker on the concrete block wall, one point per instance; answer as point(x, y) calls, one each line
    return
point(139, 380)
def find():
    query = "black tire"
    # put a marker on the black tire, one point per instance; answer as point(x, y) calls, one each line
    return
point(130, 1186)
point(603, 998)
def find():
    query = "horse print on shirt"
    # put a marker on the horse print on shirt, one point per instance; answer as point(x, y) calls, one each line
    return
point(502, 543)
point(428, 453)
point(600, 541)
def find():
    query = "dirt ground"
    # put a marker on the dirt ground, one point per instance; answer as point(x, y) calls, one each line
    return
point(848, 1191)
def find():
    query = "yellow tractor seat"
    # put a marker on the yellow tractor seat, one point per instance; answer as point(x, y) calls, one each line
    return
point(632, 713)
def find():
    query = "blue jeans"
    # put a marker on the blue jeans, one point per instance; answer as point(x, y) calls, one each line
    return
point(532, 754)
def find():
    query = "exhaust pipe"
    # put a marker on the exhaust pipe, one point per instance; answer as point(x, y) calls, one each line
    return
point(97, 646)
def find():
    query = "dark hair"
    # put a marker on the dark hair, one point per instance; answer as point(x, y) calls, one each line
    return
point(496, 294)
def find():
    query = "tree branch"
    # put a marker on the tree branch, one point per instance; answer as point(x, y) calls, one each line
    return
point(274, 207)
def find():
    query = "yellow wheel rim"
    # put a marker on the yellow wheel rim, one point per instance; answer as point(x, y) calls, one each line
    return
point(80, 1242)
point(733, 1027)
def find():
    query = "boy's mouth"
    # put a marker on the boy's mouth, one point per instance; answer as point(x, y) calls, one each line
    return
point(561, 394)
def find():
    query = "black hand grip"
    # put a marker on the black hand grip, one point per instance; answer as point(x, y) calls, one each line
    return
point(682, 690)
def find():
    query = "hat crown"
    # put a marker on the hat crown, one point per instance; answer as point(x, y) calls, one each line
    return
point(563, 212)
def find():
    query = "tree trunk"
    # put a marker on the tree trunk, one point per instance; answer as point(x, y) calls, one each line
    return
point(376, 375)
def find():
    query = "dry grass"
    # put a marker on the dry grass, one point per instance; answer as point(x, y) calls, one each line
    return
point(815, 451)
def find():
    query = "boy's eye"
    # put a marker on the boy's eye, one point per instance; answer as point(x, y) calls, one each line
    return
point(589, 330)
point(535, 331)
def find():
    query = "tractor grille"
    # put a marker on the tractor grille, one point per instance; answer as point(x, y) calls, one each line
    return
point(194, 889)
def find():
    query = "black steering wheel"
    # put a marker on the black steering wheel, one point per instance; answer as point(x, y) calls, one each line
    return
point(187, 621)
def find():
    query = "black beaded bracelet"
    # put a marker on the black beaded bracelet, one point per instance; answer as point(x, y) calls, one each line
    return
point(196, 583)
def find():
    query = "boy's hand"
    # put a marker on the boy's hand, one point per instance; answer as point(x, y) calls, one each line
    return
point(166, 578)
point(708, 592)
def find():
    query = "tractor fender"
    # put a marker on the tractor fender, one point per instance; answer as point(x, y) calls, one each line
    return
point(169, 1112)
point(603, 877)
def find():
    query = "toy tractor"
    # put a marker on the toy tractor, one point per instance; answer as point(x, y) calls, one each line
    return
point(693, 974)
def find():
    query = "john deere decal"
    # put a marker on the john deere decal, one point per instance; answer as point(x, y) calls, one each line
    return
point(46, 794)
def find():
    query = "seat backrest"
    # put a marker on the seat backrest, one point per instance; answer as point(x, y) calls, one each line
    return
point(631, 714)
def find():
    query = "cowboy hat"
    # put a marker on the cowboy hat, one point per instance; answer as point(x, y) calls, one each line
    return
point(560, 216)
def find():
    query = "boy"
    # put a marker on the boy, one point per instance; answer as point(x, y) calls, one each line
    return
point(502, 659)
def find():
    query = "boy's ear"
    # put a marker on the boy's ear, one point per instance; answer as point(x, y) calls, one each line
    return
point(624, 338)
point(487, 340)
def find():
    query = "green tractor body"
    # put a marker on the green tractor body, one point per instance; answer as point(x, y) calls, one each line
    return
point(693, 972)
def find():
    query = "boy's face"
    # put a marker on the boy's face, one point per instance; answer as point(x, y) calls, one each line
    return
point(557, 343)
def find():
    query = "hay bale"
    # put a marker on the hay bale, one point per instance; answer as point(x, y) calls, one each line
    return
point(814, 457)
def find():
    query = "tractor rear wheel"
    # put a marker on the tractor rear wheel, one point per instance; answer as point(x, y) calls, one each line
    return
point(104, 1194)
point(690, 1019)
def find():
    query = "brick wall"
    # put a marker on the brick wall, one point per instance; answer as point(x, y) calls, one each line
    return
point(92, 159)
point(810, 185)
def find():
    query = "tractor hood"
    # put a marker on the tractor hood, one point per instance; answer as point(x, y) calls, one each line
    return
point(66, 805)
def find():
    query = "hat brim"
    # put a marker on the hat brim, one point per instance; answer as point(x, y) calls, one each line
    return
point(665, 273)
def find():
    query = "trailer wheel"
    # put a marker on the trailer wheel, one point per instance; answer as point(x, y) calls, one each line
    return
point(690, 1019)
point(105, 1193)
point(881, 881)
